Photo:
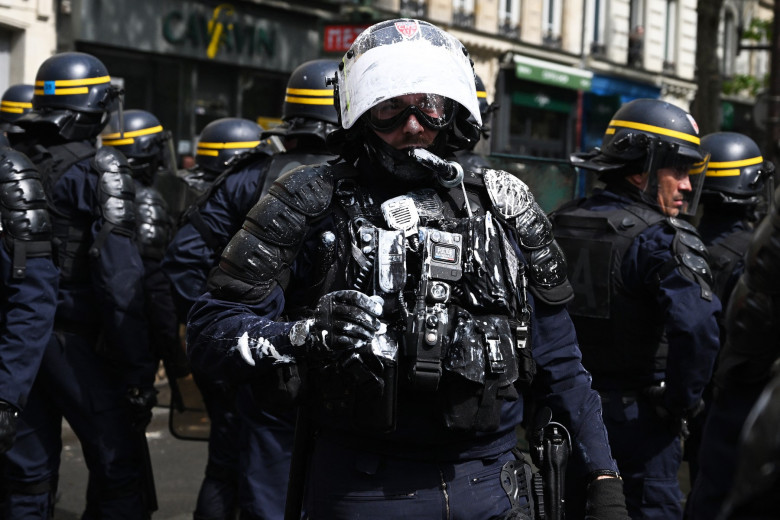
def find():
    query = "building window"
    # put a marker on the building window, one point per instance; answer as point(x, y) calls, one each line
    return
point(413, 8)
point(636, 33)
point(728, 43)
point(597, 22)
point(551, 22)
point(463, 13)
point(509, 18)
point(670, 45)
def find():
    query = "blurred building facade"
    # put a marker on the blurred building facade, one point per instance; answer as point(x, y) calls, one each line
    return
point(557, 69)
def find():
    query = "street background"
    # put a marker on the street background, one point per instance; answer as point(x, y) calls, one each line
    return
point(178, 467)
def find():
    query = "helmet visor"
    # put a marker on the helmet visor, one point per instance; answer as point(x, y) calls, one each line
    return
point(675, 179)
point(401, 58)
point(431, 110)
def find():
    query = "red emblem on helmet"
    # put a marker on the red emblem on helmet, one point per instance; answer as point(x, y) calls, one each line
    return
point(693, 123)
point(407, 29)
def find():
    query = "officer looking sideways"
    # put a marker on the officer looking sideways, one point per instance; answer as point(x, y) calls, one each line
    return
point(97, 370)
point(645, 315)
point(401, 301)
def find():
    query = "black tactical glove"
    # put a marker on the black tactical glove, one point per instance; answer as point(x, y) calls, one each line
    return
point(345, 320)
point(605, 500)
point(676, 421)
point(9, 415)
point(140, 402)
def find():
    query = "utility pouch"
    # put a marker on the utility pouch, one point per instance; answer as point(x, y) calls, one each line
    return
point(480, 368)
point(357, 390)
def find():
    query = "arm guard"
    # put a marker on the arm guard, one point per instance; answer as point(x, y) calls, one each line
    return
point(24, 219)
point(690, 255)
point(154, 225)
point(116, 193)
point(260, 255)
point(513, 201)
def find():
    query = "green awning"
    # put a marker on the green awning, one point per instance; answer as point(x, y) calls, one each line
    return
point(551, 73)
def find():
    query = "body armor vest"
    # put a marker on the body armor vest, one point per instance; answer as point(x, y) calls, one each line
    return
point(456, 315)
point(621, 332)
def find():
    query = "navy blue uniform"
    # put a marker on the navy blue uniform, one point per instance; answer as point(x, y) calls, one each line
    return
point(98, 350)
point(423, 464)
point(646, 445)
point(26, 320)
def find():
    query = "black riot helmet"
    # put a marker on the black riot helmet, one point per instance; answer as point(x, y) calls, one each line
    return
point(224, 139)
point(72, 99)
point(139, 135)
point(645, 136)
point(308, 108)
point(737, 172)
point(16, 101)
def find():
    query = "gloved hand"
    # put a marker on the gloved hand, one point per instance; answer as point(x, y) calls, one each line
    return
point(9, 415)
point(605, 500)
point(140, 402)
point(676, 421)
point(346, 320)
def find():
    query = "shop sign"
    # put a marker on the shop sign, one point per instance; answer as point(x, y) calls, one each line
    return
point(338, 38)
point(241, 34)
point(550, 73)
point(219, 31)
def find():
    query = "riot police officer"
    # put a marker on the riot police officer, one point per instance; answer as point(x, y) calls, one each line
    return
point(223, 143)
point(644, 310)
point(734, 190)
point(139, 135)
point(29, 288)
point(395, 299)
point(308, 117)
point(97, 371)
point(16, 101)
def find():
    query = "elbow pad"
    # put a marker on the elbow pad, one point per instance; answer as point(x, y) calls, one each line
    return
point(116, 190)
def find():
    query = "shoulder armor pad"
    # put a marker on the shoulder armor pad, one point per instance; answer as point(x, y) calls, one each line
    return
point(23, 208)
point(682, 224)
point(116, 189)
point(259, 256)
point(307, 189)
point(512, 199)
point(510, 196)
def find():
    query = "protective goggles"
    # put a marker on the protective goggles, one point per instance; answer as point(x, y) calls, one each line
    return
point(431, 110)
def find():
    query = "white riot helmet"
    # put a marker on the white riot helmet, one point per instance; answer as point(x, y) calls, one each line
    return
point(400, 57)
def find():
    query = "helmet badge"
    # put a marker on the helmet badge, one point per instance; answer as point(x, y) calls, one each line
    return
point(693, 123)
point(407, 28)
